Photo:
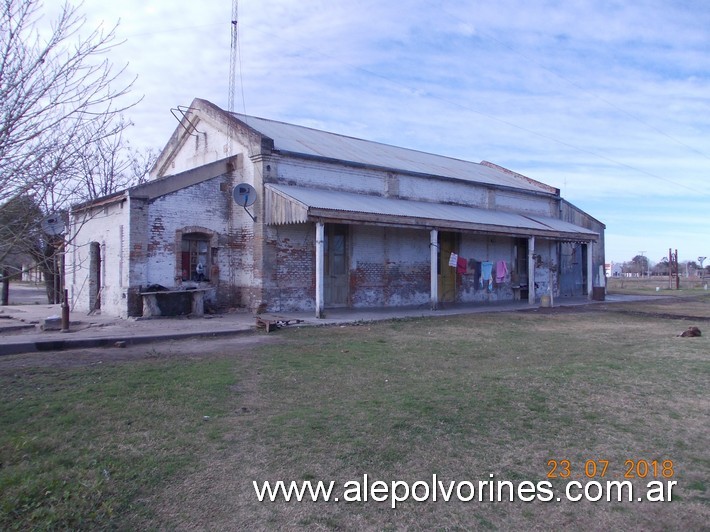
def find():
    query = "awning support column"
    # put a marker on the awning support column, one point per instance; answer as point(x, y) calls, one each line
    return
point(590, 271)
point(531, 270)
point(320, 234)
point(434, 262)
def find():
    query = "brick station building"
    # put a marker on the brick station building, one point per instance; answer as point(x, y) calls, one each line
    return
point(265, 215)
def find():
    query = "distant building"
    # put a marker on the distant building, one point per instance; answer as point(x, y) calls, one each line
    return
point(613, 269)
point(336, 222)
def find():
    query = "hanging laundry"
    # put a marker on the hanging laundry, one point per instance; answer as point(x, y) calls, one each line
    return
point(486, 269)
point(474, 268)
point(453, 260)
point(461, 265)
point(501, 271)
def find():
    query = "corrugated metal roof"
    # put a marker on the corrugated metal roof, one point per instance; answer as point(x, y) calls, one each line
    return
point(317, 143)
point(291, 204)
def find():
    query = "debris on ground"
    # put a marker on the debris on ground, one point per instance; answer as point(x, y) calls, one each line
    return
point(691, 332)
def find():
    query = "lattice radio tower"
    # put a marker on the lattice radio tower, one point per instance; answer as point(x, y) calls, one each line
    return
point(233, 58)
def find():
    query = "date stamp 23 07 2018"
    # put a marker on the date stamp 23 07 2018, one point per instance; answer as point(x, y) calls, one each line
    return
point(632, 469)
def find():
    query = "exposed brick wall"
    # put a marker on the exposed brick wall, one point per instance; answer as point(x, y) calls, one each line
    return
point(407, 276)
point(234, 247)
point(390, 266)
point(156, 235)
point(367, 266)
point(294, 270)
point(407, 284)
point(202, 205)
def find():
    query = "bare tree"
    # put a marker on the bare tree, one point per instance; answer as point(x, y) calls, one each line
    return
point(141, 163)
point(112, 165)
point(61, 124)
point(60, 99)
point(661, 267)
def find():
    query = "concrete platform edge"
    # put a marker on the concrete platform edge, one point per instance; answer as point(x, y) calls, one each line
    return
point(54, 344)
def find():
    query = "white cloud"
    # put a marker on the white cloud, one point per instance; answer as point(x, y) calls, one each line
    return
point(606, 100)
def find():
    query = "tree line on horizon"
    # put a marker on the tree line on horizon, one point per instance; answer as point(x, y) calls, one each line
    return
point(643, 266)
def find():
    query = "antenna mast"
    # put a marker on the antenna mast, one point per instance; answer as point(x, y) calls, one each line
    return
point(233, 55)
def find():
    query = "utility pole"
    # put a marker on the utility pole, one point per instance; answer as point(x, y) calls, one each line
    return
point(673, 270)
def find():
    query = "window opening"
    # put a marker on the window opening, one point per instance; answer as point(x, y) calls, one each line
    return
point(195, 257)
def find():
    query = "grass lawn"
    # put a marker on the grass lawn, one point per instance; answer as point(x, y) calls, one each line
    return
point(127, 444)
point(657, 285)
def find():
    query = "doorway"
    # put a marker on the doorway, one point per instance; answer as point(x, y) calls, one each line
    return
point(519, 275)
point(336, 271)
point(446, 275)
point(573, 269)
point(95, 276)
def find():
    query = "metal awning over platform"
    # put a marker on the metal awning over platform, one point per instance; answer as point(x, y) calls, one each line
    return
point(292, 205)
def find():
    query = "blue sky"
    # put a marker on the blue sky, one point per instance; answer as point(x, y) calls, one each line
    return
point(608, 101)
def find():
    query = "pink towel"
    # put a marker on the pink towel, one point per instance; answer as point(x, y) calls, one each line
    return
point(501, 271)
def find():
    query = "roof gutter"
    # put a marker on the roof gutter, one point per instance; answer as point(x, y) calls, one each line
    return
point(348, 217)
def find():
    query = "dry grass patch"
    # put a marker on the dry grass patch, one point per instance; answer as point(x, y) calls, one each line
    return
point(126, 446)
point(463, 398)
point(690, 307)
point(646, 285)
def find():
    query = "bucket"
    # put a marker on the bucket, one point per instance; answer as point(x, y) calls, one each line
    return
point(545, 300)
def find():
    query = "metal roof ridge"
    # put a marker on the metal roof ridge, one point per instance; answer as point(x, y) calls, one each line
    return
point(240, 116)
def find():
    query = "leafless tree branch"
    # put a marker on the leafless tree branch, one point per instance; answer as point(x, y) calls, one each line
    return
point(62, 105)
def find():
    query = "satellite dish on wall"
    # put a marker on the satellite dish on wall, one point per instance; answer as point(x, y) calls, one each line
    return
point(53, 225)
point(245, 195)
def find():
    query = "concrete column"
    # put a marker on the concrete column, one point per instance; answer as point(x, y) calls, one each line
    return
point(434, 261)
point(590, 271)
point(320, 252)
point(531, 270)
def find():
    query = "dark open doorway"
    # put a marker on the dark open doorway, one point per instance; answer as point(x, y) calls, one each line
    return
point(95, 276)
